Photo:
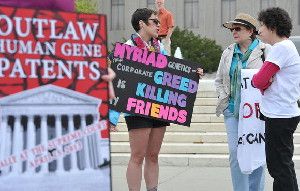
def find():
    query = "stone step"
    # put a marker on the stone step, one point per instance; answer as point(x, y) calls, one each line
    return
point(187, 137)
point(205, 160)
point(185, 148)
point(179, 137)
point(206, 94)
point(195, 127)
point(205, 101)
point(178, 148)
point(207, 118)
point(203, 118)
point(204, 109)
point(198, 127)
point(296, 138)
point(206, 85)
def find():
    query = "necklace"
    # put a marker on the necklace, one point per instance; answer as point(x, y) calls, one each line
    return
point(139, 42)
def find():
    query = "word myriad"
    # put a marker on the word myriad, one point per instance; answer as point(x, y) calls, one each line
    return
point(139, 55)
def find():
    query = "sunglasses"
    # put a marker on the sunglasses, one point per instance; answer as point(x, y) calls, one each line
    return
point(155, 21)
point(237, 29)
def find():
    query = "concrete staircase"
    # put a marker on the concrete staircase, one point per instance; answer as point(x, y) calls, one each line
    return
point(202, 144)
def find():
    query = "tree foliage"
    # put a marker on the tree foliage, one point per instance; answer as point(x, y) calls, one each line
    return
point(196, 49)
point(87, 6)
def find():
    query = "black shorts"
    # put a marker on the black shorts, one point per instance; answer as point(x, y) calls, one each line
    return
point(137, 122)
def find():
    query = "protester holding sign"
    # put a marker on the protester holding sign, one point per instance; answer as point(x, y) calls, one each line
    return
point(167, 24)
point(145, 134)
point(279, 81)
point(246, 52)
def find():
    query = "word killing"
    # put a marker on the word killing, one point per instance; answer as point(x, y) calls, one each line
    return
point(160, 95)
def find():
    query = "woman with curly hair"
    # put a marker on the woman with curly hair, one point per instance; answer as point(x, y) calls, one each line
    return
point(279, 81)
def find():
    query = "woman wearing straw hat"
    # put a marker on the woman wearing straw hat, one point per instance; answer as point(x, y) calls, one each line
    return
point(245, 52)
point(279, 79)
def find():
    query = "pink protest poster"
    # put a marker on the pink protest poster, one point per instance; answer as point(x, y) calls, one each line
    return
point(53, 103)
point(153, 85)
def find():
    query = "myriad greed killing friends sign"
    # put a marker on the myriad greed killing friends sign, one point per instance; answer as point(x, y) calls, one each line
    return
point(154, 85)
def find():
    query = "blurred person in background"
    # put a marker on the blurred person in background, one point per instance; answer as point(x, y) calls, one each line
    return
point(166, 25)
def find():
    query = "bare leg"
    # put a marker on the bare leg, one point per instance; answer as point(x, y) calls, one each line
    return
point(138, 139)
point(151, 169)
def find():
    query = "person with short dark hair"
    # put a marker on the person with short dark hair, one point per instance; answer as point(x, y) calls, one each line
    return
point(279, 80)
point(245, 53)
point(145, 134)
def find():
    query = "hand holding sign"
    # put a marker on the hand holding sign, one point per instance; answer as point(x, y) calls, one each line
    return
point(154, 85)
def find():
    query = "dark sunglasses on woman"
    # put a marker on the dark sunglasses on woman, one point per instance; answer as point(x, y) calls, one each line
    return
point(237, 29)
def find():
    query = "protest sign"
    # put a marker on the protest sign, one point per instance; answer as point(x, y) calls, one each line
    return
point(153, 85)
point(251, 130)
point(53, 103)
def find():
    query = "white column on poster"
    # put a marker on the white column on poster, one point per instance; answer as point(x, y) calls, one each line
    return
point(31, 134)
point(17, 144)
point(44, 141)
point(4, 138)
point(98, 139)
point(8, 147)
point(58, 133)
point(87, 164)
point(73, 154)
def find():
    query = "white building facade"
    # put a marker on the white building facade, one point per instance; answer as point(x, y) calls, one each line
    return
point(203, 17)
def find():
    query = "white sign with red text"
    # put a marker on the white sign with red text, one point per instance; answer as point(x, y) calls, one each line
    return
point(251, 130)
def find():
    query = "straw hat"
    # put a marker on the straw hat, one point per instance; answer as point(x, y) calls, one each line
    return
point(243, 19)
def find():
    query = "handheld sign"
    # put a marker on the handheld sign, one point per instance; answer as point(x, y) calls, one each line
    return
point(53, 103)
point(153, 85)
point(251, 130)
